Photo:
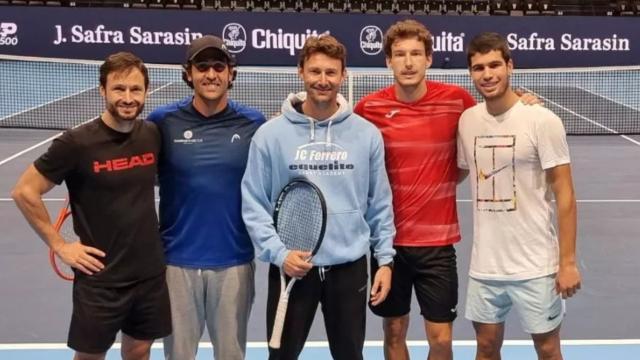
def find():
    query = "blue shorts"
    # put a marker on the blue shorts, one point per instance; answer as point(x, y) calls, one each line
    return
point(539, 307)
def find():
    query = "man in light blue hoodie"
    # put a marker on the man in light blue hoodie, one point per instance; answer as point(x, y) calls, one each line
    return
point(319, 137)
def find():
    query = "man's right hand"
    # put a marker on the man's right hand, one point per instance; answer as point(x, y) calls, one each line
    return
point(297, 264)
point(80, 257)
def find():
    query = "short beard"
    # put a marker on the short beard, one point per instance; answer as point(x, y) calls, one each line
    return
point(113, 110)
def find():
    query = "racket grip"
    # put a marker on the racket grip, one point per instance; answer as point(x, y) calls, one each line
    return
point(278, 323)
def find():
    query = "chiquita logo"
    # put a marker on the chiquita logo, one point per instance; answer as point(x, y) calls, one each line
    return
point(371, 40)
point(235, 37)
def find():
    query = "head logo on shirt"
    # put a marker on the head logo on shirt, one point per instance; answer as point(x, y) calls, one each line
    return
point(188, 134)
point(124, 163)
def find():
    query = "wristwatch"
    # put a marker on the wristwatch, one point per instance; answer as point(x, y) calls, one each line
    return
point(389, 264)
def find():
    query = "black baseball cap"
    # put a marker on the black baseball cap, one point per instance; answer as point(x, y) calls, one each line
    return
point(208, 42)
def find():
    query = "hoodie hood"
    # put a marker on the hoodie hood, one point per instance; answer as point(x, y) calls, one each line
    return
point(290, 113)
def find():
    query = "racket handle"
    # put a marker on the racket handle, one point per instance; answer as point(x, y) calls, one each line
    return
point(278, 323)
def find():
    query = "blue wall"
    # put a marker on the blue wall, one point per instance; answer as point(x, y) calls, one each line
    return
point(273, 39)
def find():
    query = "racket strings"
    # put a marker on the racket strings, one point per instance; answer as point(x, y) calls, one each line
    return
point(300, 219)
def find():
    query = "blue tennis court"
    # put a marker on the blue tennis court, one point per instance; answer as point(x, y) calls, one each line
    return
point(601, 321)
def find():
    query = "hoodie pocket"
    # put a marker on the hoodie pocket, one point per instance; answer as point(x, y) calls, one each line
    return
point(346, 237)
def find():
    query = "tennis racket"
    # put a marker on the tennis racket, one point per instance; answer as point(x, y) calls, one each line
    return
point(64, 227)
point(300, 218)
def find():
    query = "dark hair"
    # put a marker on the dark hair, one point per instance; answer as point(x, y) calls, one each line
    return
point(323, 44)
point(487, 42)
point(407, 29)
point(122, 62)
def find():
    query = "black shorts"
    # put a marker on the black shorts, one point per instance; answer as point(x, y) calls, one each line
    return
point(140, 310)
point(433, 273)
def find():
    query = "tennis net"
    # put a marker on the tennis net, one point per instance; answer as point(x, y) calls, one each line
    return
point(58, 94)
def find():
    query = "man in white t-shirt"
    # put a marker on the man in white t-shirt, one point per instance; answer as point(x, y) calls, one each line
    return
point(518, 158)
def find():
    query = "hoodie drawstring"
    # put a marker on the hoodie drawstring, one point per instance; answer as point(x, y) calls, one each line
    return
point(312, 126)
point(328, 138)
point(322, 270)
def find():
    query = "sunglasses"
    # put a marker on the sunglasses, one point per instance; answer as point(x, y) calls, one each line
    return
point(204, 66)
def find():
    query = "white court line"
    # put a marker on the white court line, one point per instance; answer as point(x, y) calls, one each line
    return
point(585, 118)
point(460, 200)
point(29, 149)
point(20, 153)
point(608, 98)
point(325, 344)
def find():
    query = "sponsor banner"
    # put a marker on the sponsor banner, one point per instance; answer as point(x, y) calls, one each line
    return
point(275, 39)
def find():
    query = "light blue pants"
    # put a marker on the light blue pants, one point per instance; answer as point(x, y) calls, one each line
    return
point(221, 298)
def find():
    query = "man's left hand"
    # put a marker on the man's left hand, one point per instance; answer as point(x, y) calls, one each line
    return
point(381, 285)
point(568, 281)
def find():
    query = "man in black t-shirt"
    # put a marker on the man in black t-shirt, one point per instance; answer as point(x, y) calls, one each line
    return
point(109, 166)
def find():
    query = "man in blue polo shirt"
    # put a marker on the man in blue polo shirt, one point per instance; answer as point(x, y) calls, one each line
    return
point(210, 270)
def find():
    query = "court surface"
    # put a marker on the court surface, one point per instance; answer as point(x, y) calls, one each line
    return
point(602, 321)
